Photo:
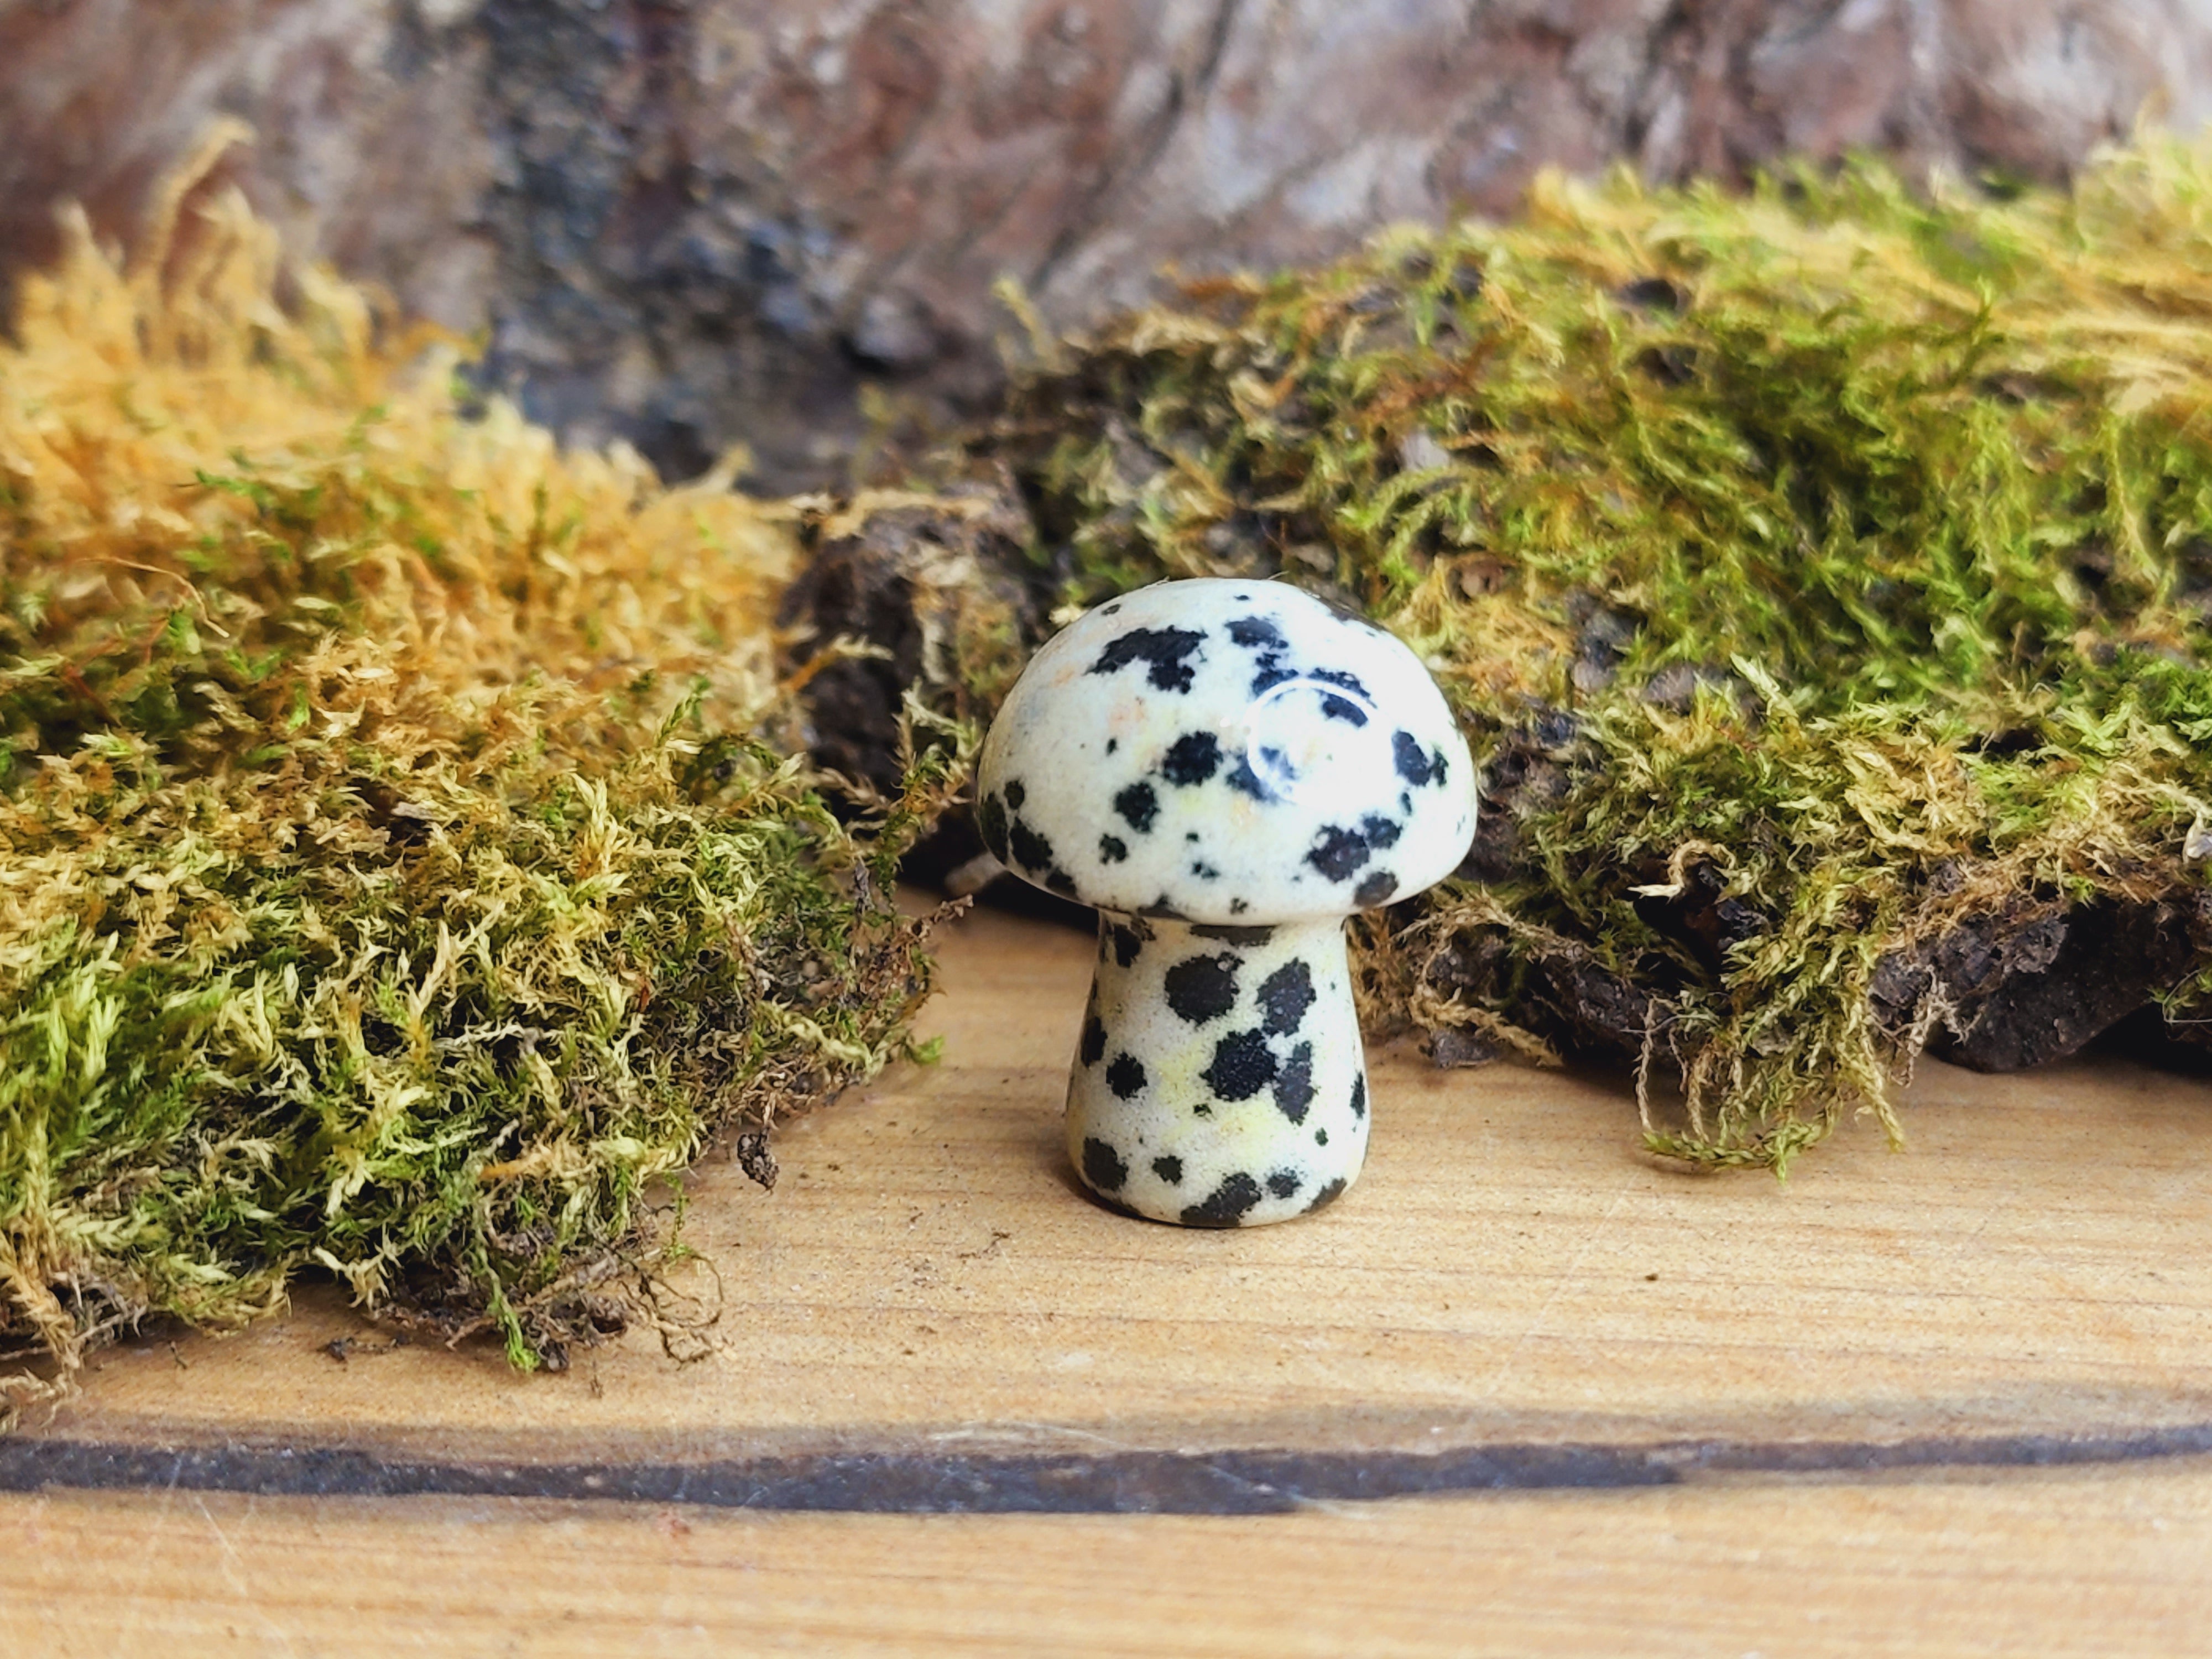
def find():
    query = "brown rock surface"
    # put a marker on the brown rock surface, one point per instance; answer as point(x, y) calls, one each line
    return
point(692, 220)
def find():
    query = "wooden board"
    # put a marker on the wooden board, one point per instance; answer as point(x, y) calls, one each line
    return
point(1521, 1390)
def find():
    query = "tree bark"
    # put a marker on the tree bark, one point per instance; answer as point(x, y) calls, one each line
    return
point(689, 222)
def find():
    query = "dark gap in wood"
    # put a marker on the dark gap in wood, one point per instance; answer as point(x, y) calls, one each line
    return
point(1233, 1482)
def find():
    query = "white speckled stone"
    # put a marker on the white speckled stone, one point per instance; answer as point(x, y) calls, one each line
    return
point(1220, 1080)
point(1226, 769)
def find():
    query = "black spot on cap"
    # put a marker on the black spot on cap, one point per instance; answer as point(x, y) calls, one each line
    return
point(1165, 651)
point(1125, 1076)
point(1338, 708)
point(1338, 852)
point(1415, 764)
point(1255, 633)
point(1169, 1170)
point(1246, 937)
point(991, 820)
point(1242, 1066)
point(1031, 850)
point(1192, 758)
point(1093, 1048)
point(1238, 906)
point(1112, 849)
point(1379, 830)
point(1294, 1089)
point(1112, 744)
point(1286, 994)
point(1320, 1137)
point(1057, 880)
point(1344, 677)
point(1245, 782)
point(1226, 1204)
point(1202, 988)
point(1204, 871)
point(1360, 1096)
point(1016, 795)
point(1103, 1166)
point(1375, 887)
point(1127, 945)
point(1163, 911)
point(1269, 676)
point(1284, 1183)
point(1138, 806)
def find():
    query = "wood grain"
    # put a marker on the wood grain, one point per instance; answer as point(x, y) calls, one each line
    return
point(1952, 1400)
point(2100, 1565)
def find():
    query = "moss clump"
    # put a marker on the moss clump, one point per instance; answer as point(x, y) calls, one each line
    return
point(389, 878)
point(1824, 572)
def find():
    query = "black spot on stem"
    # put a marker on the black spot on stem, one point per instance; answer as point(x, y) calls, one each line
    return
point(1226, 1205)
point(1286, 994)
point(1294, 1089)
point(1242, 1066)
point(1326, 1195)
point(1245, 937)
point(1203, 988)
point(1103, 1166)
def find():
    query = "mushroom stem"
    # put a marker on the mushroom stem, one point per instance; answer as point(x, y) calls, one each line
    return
point(1220, 1080)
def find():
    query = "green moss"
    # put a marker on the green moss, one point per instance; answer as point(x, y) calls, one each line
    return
point(1823, 570)
point(442, 1043)
point(396, 877)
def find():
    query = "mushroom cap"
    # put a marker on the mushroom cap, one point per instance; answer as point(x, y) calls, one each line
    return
point(1226, 752)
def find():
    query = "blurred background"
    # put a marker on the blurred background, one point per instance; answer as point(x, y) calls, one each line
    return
point(691, 222)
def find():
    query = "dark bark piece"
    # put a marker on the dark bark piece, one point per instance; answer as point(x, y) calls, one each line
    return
point(1595, 1013)
point(1556, 989)
point(1525, 772)
point(1456, 1046)
point(1703, 914)
point(2030, 987)
point(898, 578)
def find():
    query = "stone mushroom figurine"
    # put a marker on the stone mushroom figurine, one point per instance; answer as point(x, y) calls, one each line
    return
point(1225, 770)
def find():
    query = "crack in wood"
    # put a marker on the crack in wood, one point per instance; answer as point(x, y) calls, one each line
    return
point(1256, 1482)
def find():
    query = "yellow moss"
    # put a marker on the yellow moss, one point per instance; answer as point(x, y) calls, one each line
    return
point(392, 874)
